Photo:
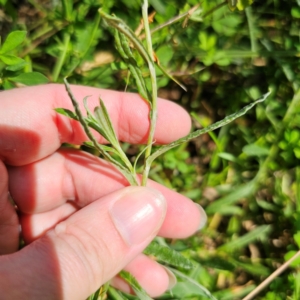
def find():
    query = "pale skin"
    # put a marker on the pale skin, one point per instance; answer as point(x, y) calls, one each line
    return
point(65, 197)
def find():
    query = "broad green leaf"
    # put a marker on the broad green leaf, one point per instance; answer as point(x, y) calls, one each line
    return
point(11, 59)
point(255, 150)
point(7, 85)
point(297, 238)
point(168, 256)
point(289, 255)
point(165, 54)
point(31, 78)
point(17, 67)
point(227, 26)
point(134, 285)
point(13, 40)
point(86, 36)
point(295, 12)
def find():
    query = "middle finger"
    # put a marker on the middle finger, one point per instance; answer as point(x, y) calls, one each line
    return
point(53, 188)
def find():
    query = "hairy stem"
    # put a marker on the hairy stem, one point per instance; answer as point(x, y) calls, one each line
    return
point(153, 107)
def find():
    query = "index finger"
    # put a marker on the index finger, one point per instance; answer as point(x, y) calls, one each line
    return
point(30, 129)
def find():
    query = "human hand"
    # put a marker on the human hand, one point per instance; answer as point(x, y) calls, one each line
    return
point(80, 221)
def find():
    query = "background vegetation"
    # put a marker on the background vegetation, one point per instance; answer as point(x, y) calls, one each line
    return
point(247, 174)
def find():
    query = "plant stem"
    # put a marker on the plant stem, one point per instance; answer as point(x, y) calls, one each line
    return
point(184, 15)
point(60, 62)
point(250, 19)
point(271, 277)
point(153, 107)
point(40, 39)
point(172, 21)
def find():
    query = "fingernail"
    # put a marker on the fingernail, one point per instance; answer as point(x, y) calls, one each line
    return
point(172, 278)
point(138, 214)
point(203, 216)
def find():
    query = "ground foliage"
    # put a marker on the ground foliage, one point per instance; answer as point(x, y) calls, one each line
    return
point(245, 175)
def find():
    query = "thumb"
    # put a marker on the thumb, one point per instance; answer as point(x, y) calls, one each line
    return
point(88, 249)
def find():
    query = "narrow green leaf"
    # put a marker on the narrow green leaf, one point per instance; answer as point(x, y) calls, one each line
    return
point(123, 47)
point(125, 171)
point(196, 287)
point(236, 195)
point(207, 129)
point(255, 150)
point(105, 127)
point(168, 256)
point(115, 294)
point(171, 77)
point(122, 27)
point(249, 266)
point(227, 156)
point(67, 9)
point(147, 55)
point(139, 291)
point(103, 147)
point(11, 59)
point(102, 116)
point(13, 40)
point(260, 232)
point(31, 78)
point(67, 113)
point(217, 262)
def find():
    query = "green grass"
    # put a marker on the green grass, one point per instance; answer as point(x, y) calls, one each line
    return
point(246, 174)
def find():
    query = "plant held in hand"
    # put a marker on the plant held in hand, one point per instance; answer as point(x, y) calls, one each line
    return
point(132, 51)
